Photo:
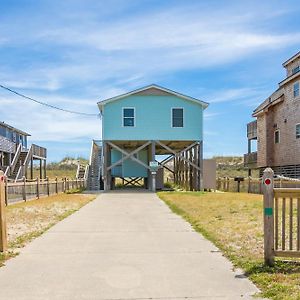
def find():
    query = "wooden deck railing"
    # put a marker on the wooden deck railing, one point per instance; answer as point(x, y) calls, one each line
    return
point(281, 220)
point(253, 185)
point(252, 130)
point(39, 151)
point(250, 158)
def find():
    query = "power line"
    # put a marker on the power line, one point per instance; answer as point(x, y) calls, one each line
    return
point(47, 104)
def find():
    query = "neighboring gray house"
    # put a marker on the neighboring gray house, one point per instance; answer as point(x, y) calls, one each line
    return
point(15, 156)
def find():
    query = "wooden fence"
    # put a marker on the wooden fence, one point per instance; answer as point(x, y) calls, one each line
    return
point(24, 190)
point(252, 185)
point(281, 220)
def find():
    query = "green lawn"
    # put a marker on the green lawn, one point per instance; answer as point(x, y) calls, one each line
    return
point(234, 223)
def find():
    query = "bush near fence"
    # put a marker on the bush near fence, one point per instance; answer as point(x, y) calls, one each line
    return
point(253, 185)
point(24, 190)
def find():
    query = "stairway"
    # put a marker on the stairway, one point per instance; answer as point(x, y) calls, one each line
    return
point(94, 182)
point(80, 171)
point(20, 162)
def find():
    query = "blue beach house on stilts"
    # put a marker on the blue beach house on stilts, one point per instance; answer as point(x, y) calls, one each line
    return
point(144, 132)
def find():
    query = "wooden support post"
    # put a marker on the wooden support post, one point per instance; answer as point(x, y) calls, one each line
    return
point(200, 164)
point(48, 186)
point(31, 168)
point(105, 166)
point(249, 185)
point(153, 176)
point(64, 184)
point(37, 188)
point(6, 192)
point(45, 169)
point(41, 169)
point(3, 226)
point(24, 188)
point(268, 191)
point(190, 170)
point(56, 185)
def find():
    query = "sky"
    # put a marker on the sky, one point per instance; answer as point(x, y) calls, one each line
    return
point(73, 54)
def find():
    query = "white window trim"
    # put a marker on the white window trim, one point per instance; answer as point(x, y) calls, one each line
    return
point(277, 130)
point(183, 117)
point(298, 89)
point(298, 124)
point(134, 116)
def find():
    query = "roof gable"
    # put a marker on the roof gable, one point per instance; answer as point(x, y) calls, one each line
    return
point(151, 90)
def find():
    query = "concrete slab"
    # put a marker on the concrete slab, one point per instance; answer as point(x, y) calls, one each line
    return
point(122, 246)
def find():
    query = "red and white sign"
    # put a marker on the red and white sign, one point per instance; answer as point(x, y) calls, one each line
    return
point(268, 181)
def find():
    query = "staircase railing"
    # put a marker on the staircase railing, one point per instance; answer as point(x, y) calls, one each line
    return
point(78, 169)
point(9, 170)
point(86, 172)
point(22, 168)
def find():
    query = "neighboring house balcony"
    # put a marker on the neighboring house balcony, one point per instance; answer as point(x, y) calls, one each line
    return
point(39, 152)
point(250, 159)
point(252, 130)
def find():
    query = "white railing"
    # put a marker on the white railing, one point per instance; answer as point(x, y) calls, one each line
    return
point(9, 170)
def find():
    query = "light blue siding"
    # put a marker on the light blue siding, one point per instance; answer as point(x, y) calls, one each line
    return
point(153, 119)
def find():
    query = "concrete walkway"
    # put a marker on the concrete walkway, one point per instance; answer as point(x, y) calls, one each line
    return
point(122, 246)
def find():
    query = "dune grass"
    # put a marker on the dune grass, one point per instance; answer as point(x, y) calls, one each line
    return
point(234, 223)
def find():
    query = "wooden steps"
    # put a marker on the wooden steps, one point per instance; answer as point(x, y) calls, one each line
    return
point(94, 181)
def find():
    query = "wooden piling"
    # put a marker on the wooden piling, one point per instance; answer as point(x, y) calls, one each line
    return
point(3, 226)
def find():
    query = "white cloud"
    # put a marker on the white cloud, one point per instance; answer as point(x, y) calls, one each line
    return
point(88, 55)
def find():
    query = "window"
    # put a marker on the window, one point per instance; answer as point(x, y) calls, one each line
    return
point(177, 117)
point(296, 70)
point(276, 137)
point(296, 89)
point(298, 131)
point(128, 117)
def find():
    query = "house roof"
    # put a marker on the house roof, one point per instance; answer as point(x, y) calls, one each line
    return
point(149, 87)
point(272, 100)
point(291, 59)
point(14, 129)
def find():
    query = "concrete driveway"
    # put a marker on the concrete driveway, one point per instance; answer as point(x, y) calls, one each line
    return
point(122, 246)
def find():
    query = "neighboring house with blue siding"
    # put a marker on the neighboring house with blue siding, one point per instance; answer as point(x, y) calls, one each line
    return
point(139, 126)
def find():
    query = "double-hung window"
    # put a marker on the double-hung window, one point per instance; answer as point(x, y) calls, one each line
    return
point(298, 131)
point(296, 89)
point(128, 116)
point(177, 117)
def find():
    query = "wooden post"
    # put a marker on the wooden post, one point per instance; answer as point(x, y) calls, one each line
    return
point(153, 175)
point(48, 187)
point(6, 191)
point(249, 185)
point(268, 192)
point(3, 228)
point(56, 185)
point(41, 169)
point(200, 164)
point(45, 169)
point(31, 168)
point(24, 188)
point(37, 188)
